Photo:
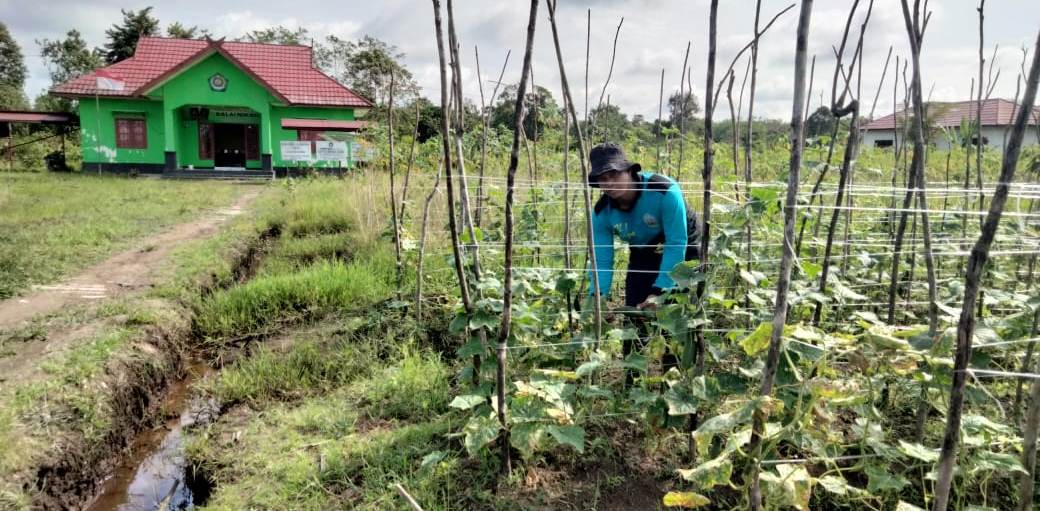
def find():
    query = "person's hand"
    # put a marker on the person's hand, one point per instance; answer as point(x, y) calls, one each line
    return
point(649, 304)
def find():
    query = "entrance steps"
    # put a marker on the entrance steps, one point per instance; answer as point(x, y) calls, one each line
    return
point(227, 175)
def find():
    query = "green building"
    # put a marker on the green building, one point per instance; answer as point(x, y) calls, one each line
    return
point(182, 106)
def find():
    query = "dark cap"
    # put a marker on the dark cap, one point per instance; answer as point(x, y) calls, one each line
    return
point(608, 157)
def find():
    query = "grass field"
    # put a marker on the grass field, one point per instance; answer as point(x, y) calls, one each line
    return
point(52, 225)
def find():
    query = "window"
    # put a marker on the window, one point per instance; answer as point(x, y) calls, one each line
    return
point(975, 140)
point(131, 133)
point(205, 141)
point(883, 143)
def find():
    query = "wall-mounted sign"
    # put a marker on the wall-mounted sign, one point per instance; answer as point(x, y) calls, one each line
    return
point(329, 150)
point(218, 83)
point(296, 150)
point(232, 115)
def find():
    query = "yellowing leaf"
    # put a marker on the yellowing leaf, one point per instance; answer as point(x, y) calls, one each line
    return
point(757, 340)
point(685, 499)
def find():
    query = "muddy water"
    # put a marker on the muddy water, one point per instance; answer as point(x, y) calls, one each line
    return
point(155, 476)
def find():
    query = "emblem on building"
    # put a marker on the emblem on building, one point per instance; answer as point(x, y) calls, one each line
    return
point(218, 83)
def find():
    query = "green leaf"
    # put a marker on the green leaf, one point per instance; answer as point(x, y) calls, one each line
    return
point(484, 319)
point(566, 283)
point(573, 436)
point(458, 324)
point(790, 486)
point(469, 349)
point(710, 473)
point(684, 499)
point(811, 269)
point(480, 431)
point(880, 480)
point(686, 274)
point(757, 340)
point(467, 401)
point(635, 361)
point(432, 459)
point(879, 336)
point(588, 368)
point(526, 437)
point(918, 451)
point(996, 462)
point(844, 292)
point(684, 396)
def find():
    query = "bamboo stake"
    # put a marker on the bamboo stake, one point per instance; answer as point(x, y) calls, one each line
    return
point(751, 108)
point(411, 163)
point(682, 111)
point(568, 101)
point(783, 282)
point(408, 498)
point(507, 289)
point(446, 146)
point(1027, 362)
point(422, 242)
point(840, 109)
point(976, 263)
point(567, 207)
point(660, 127)
point(610, 73)
point(486, 126)
point(393, 190)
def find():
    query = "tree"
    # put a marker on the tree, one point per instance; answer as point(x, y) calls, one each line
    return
point(122, 39)
point(676, 110)
point(365, 66)
point(821, 122)
point(179, 31)
point(277, 35)
point(12, 72)
point(548, 110)
point(609, 124)
point(66, 59)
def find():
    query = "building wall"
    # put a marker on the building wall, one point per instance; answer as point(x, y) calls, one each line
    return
point(170, 130)
point(300, 112)
point(993, 136)
point(191, 88)
point(102, 113)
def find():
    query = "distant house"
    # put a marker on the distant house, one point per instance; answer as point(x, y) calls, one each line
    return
point(997, 116)
point(181, 104)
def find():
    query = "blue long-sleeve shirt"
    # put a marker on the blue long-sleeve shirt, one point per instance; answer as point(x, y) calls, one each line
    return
point(659, 208)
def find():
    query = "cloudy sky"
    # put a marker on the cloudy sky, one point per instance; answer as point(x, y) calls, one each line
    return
point(653, 37)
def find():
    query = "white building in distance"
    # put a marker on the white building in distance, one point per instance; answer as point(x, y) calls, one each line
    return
point(947, 118)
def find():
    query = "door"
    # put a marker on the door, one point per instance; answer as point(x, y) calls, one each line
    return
point(230, 145)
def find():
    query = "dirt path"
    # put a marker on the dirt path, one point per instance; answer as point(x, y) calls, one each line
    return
point(119, 275)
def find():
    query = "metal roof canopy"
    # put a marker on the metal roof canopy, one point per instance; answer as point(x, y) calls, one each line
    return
point(9, 117)
point(323, 124)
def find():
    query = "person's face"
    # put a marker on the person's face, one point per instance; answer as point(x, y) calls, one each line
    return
point(616, 184)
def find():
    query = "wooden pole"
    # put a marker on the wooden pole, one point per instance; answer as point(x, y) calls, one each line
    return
point(507, 286)
point(790, 211)
point(976, 263)
point(569, 102)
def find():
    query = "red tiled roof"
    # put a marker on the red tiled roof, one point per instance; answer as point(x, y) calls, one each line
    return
point(287, 71)
point(995, 112)
point(330, 125)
